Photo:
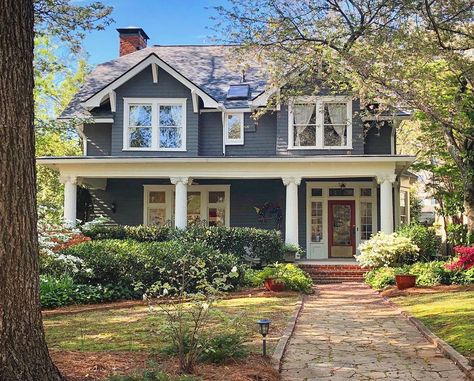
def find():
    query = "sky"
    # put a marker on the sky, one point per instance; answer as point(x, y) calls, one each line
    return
point(167, 22)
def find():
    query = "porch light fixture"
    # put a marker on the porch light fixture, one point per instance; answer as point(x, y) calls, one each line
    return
point(264, 328)
point(113, 207)
point(342, 186)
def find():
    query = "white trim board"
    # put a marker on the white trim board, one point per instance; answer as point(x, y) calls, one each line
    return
point(96, 99)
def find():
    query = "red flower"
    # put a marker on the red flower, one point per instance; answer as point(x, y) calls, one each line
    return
point(465, 259)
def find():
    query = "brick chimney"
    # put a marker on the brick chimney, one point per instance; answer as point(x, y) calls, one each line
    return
point(132, 39)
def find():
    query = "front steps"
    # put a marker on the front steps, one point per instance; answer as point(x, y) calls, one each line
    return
point(324, 274)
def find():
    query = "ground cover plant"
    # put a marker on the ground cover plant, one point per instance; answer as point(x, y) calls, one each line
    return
point(450, 315)
point(291, 275)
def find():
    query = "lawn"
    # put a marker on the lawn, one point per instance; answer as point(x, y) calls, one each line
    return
point(139, 329)
point(450, 315)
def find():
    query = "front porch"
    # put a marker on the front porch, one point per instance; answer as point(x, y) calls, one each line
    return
point(325, 206)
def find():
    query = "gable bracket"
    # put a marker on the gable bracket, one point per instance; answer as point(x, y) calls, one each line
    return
point(195, 98)
point(154, 72)
point(113, 100)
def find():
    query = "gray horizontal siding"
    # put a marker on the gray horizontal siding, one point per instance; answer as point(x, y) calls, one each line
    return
point(259, 136)
point(378, 141)
point(142, 86)
point(99, 139)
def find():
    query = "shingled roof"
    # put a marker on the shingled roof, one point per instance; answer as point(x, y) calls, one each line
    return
point(209, 67)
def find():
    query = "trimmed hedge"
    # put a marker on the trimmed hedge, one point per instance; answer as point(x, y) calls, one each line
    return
point(258, 243)
point(138, 265)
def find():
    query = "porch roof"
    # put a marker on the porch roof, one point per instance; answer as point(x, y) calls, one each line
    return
point(229, 167)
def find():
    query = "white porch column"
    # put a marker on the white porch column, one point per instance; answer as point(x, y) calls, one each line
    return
point(291, 209)
point(386, 202)
point(181, 201)
point(70, 198)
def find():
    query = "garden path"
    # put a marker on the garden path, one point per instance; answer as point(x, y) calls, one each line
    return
point(347, 332)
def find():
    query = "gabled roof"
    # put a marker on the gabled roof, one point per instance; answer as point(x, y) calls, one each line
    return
point(208, 67)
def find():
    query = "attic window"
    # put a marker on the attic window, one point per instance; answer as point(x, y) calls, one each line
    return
point(238, 91)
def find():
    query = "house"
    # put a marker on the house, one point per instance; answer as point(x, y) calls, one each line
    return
point(169, 138)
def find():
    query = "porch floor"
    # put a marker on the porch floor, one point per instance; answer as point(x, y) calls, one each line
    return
point(329, 261)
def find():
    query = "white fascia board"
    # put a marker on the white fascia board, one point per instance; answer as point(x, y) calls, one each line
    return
point(261, 100)
point(98, 97)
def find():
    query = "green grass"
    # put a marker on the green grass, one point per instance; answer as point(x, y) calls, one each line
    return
point(139, 329)
point(450, 315)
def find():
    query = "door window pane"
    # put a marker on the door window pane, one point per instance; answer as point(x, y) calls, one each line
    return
point(365, 220)
point(157, 197)
point(215, 197)
point(216, 209)
point(316, 221)
point(366, 192)
point(341, 224)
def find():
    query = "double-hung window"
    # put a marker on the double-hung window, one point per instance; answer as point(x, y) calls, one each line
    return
point(320, 123)
point(154, 124)
point(234, 128)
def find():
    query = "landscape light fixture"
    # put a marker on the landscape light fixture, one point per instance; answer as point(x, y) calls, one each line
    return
point(264, 327)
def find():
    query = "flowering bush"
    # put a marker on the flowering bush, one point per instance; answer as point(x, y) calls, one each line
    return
point(387, 250)
point(465, 259)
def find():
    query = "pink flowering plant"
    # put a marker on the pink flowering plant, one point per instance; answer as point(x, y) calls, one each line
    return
point(464, 260)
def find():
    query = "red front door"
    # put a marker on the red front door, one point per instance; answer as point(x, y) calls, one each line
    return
point(341, 215)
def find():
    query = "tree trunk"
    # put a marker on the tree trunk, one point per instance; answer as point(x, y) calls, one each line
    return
point(469, 204)
point(23, 352)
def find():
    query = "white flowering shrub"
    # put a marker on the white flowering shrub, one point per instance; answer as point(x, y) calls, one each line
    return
point(387, 250)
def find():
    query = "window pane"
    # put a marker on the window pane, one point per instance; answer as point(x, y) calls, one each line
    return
point(156, 216)
point(216, 216)
point(233, 126)
point(170, 115)
point(341, 192)
point(304, 136)
point(316, 192)
point(365, 220)
point(194, 207)
point(335, 113)
point(139, 115)
point(140, 137)
point(216, 197)
point(366, 192)
point(304, 114)
point(335, 135)
point(316, 221)
point(170, 137)
point(157, 197)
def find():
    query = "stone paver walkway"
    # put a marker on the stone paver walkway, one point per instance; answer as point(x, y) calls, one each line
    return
point(347, 333)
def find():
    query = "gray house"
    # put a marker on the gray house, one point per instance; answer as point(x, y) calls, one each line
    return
point(169, 138)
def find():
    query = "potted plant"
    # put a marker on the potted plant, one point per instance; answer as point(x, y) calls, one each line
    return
point(291, 252)
point(272, 277)
point(404, 279)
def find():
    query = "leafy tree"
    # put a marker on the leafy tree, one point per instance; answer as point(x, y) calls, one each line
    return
point(413, 53)
point(24, 355)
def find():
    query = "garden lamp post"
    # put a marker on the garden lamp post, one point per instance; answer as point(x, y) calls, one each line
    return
point(264, 327)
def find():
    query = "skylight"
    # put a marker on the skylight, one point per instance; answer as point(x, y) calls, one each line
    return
point(240, 91)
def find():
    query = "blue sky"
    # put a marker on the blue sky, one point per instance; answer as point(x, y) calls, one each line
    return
point(165, 21)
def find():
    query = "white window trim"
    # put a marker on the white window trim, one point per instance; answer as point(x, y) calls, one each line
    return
point(204, 189)
point(155, 135)
point(319, 102)
point(230, 142)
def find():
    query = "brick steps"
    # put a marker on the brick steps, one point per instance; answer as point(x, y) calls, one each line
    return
point(324, 274)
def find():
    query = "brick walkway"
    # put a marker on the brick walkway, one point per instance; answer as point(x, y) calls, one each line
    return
point(347, 333)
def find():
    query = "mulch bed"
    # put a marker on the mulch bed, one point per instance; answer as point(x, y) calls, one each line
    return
point(393, 292)
point(97, 366)
point(69, 310)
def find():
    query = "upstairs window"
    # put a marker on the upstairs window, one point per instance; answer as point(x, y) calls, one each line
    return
point(234, 128)
point(154, 124)
point(320, 123)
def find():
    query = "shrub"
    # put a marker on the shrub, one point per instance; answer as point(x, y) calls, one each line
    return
point(139, 233)
point(293, 277)
point(465, 259)
point(458, 235)
point(223, 347)
point(381, 277)
point(423, 237)
point(58, 292)
point(387, 250)
point(139, 265)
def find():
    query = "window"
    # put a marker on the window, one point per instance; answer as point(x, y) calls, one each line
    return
point(316, 221)
point(234, 128)
point(316, 192)
point(366, 192)
point(320, 123)
point(156, 210)
point(216, 209)
point(339, 192)
point(365, 220)
point(404, 207)
point(154, 124)
point(205, 204)
point(240, 91)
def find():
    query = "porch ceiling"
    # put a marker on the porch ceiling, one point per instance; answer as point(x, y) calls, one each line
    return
point(225, 167)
